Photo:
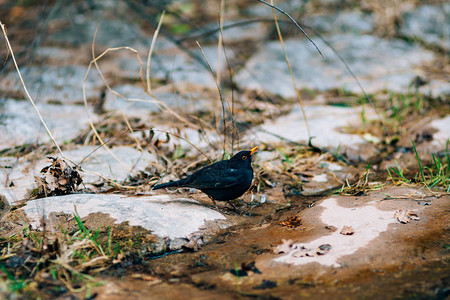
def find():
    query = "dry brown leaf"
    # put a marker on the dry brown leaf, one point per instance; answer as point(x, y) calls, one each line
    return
point(291, 222)
point(323, 249)
point(302, 252)
point(347, 230)
point(57, 179)
point(405, 216)
point(400, 215)
point(331, 227)
point(284, 247)
point(412, 215)
point(194, 243)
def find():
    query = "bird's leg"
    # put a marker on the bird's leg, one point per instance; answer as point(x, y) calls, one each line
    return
point(234, 206)
point(239, 211)
point(220, 210)
point(215, 204)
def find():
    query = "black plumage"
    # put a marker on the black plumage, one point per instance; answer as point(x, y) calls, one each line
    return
point(223, 180)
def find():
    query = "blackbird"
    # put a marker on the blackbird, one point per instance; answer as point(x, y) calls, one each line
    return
point(223, 180)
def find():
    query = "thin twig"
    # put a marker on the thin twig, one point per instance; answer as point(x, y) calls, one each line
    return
point(293, 21)
point(232, 97)
point(220, 94)
point(290, 71)
point(155, 35)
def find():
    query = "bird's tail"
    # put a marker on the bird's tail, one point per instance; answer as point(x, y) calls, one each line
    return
point(177, 183)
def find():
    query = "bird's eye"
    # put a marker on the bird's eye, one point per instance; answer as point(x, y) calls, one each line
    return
point(244, 157)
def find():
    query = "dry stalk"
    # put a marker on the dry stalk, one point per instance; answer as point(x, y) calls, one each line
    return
point(290, 70)
point(219, 54)
point(28, 94)
point(222, 100)
point(155, 35)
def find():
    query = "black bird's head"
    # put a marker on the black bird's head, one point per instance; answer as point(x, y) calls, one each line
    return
point(243, 158)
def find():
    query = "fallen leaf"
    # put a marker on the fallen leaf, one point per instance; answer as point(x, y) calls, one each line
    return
point(331, 227)
point(143, 277)
point(303, 252)
point(400, 215)
point(405, 216)
point(291, 222)
point(347, 230)
point(412, 215)
point(57, 179)
point(323, 249)
point(284, 247)
point(194, 243)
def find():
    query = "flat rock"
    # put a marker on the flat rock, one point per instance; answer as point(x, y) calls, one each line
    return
point(436, 88)
point(98, 165)
point(318, 179)
point(164, 216)
point(326, 124)
point(116, 164)
point(178, 67)
point(261, 10)
point(376, 236)
point(429, 23)
point(364, 54)
point(20, 124)
point(442, 136)
point(78, 24)
point(234, 31)
point(55, 84)
point(342, 22)
point(141, 104)
point(17, 176)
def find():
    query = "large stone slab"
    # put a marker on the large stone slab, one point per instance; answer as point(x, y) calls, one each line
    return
point(233, 31)
point(97, 165)
point(55, 84)
point(78, 24)
point(326, 124)
point(342, 22)
point(20, 124)
point(378, 63)
point(306, 254)
point(379, 242)
point(141, 104)
point(164, 216)
point(115, 164)
point(428, 23)
point(179, 68)
point(373, 221)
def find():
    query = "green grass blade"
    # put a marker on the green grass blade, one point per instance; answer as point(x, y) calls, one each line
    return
point(418, 161)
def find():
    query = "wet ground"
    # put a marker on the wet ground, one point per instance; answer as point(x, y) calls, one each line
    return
point(352, 202)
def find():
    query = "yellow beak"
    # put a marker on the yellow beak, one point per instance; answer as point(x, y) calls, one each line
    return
point(253, 150)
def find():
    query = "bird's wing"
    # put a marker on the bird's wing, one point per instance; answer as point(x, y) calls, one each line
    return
point(212, 178)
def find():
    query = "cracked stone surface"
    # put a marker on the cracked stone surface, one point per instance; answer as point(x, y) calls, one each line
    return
point(365, 55)
point(159, 214)
point(428, 23)
point(325, 124)
point(378, 238)
point(20, 124)
point(54, 84)
point(97, 164)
